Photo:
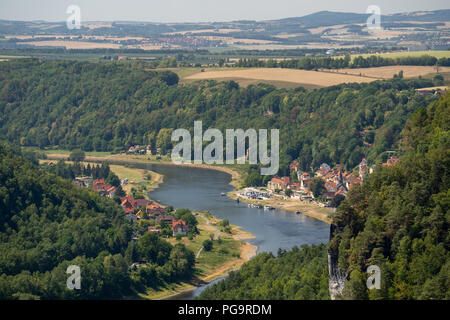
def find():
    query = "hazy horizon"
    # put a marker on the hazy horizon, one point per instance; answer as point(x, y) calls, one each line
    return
point(197, 11)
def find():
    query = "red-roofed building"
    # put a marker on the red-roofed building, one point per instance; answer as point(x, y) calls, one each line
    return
point(167, 219)
point(353, 182)
point(278, 183)
point(130, 204)
point(391, 162)
point(180, 227)
point(99, 181)
point(153, 208)
point(103, 189)
point(331, 187)
point(304, 179)
point(293, 166)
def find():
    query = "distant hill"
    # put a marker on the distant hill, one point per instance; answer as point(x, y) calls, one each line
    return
point(330, 18)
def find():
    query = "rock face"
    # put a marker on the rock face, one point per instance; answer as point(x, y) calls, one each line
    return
point(336, 277)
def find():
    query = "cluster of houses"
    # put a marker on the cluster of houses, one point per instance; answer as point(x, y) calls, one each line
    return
point(104, 189)
point(336, 180)
point(98, 185)
point(137, 149)
point(137, 209)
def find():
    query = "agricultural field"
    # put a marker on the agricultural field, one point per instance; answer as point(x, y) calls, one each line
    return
point(388, 72)
point(74, 44)
point(393, 55)
point(288, 78)
point(299, 77)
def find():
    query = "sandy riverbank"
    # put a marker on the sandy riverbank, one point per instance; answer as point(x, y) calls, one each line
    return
point(144, 159)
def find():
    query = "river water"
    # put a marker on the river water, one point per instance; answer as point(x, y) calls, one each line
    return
point(200, 189)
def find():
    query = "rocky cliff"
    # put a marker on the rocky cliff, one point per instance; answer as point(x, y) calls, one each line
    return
point(336, 277)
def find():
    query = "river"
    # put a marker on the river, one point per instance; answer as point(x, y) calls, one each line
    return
point(200, 189)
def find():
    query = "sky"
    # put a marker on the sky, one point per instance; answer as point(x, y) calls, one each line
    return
point(198, 10)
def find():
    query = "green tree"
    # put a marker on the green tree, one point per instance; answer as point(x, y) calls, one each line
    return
point(317, 187)
point(76, 155)
point(207, 245)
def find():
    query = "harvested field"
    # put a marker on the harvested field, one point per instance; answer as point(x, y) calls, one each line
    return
point(434, 53)
point(301, 77)
point(389, 71)
point(74, 44)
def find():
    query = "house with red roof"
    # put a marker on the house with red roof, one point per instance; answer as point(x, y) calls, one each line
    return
point(99, 181)
point(391, 162)
point(103, 189)
point(153, 208)
point(165, 219)
point(130, 204)
point(294, 166)
point(180, 227)
point(304, 179)
point(294, 186)
point(278, 183)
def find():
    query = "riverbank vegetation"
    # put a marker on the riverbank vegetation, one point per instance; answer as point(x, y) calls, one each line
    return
point(297, 274)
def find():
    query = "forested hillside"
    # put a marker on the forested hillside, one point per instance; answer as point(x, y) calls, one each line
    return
point(300, 274)
point(47, 224)
point(399, 218)
point(110, 106)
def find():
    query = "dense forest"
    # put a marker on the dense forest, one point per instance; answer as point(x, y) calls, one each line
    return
point(110, 106)
point(298, 274)
point(47, 224)
point(398, 220)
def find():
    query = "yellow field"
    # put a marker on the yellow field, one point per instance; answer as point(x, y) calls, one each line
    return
point(75, 44)
point(437, 54)
point(389, 71)
point(314, 78)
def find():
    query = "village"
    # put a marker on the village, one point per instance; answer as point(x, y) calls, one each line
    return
point(330, 187)
point(154, 216)
point(325, 187)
